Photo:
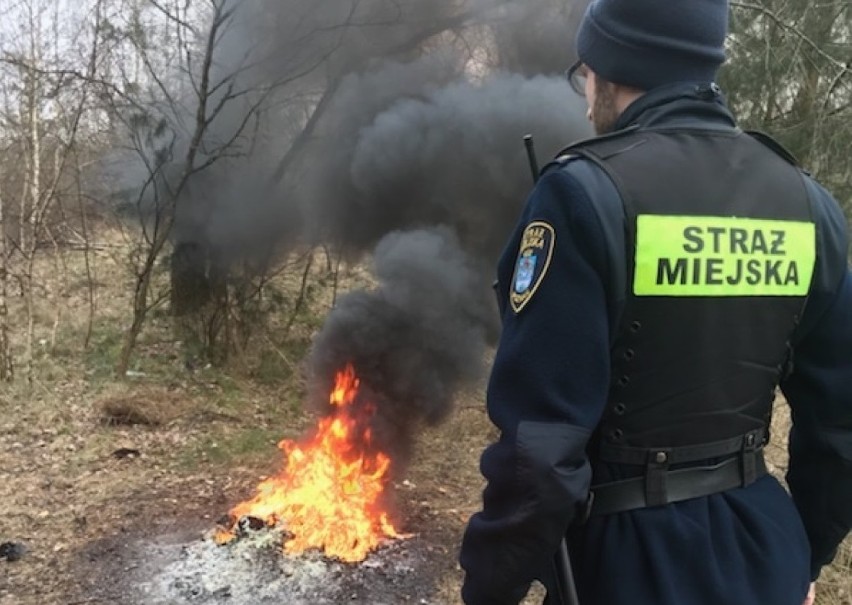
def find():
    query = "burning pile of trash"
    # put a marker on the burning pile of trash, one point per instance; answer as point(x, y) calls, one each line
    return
point(332, 494)
point(321, 531)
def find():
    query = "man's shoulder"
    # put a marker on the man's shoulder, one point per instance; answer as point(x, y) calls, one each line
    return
point(832, 235)
point(581, 156)
point(775, 146)
point(598, 147)
point(560, 162)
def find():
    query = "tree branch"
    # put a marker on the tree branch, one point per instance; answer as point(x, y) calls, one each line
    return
point(844, 67)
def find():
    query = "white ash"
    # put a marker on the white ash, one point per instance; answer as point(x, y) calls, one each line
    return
point(253, 570)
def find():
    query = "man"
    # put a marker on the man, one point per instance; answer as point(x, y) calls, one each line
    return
point(664, 280)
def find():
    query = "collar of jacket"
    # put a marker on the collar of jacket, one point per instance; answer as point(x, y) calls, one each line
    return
point(686, 105)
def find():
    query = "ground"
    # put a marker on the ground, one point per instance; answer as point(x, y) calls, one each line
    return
point(77, 508)
point(100, 473)
point(101, 477)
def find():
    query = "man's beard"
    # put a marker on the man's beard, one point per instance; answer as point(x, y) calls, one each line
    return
point(604, 112)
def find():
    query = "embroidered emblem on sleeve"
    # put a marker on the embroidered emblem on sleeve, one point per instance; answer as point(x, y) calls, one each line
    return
point(533, 261)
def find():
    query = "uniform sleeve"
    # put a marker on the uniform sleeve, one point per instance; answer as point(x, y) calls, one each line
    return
point(546, 394)
point(820, 394)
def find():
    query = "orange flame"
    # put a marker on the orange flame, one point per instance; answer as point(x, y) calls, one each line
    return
point(329, 494)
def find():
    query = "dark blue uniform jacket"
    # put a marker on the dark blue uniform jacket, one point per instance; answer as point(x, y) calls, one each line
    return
point(548, 390)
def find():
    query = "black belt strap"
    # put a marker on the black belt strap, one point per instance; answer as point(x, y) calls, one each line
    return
point(619, 454)
point(660, 486)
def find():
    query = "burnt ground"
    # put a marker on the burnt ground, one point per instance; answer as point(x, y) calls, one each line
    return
point(173, 561)
point(102, 524)
point(175, 568)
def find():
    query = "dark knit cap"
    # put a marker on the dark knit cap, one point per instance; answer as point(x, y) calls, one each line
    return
point(649, 43)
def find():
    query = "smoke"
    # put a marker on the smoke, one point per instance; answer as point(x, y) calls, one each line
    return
point(439, 153)
point(382, 115)
point(414, 340)
point(457, 156)
point(390, 130)
point(535, 38)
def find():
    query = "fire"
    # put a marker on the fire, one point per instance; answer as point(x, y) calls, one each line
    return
point(329, 496)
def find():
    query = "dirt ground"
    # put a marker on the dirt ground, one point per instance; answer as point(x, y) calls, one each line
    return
point(82, 513)
point(91, 502)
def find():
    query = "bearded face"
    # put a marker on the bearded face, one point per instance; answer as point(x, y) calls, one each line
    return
point(602, 110)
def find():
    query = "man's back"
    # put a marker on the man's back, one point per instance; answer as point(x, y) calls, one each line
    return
point(715, 288)
point(661, 283)
point(688, 381)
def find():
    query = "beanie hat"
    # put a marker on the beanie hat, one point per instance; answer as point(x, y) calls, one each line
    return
point(649, 43)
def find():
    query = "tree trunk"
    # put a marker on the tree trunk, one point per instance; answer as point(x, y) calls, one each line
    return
point(191, 293)
point(34, 124)
point(188, 273)
point(140, 298)
point(87, 255)
point(7, 372)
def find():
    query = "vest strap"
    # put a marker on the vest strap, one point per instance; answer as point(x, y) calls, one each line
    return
point(660, 487)
point(656, 477)
point(684, 454)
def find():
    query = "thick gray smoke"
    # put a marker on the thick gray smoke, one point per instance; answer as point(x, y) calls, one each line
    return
point(457, 157)
point(382, 115)
point(393, 128)
point(415, 339)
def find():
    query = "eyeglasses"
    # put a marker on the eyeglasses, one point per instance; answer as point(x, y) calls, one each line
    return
point(576, 76)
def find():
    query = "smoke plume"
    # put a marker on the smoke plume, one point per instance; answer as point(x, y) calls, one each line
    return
point(390, 130)
point(414, 339)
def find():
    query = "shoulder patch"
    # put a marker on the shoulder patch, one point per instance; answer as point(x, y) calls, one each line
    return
point(537, 244)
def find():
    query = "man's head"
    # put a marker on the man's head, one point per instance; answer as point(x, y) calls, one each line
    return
point(607, 100)
point(629, 46)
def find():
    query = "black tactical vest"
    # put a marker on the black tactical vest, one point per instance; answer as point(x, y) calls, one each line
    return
point(720, 252)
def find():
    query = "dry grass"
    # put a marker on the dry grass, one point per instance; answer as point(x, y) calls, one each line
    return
point(205, 436)
point(150, 407)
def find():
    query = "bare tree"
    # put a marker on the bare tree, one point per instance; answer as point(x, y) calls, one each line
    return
point(45, 122)
point(306, 66)
point(180, 136)
point(7, 372)
point(791, 74)
point(158, 133)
